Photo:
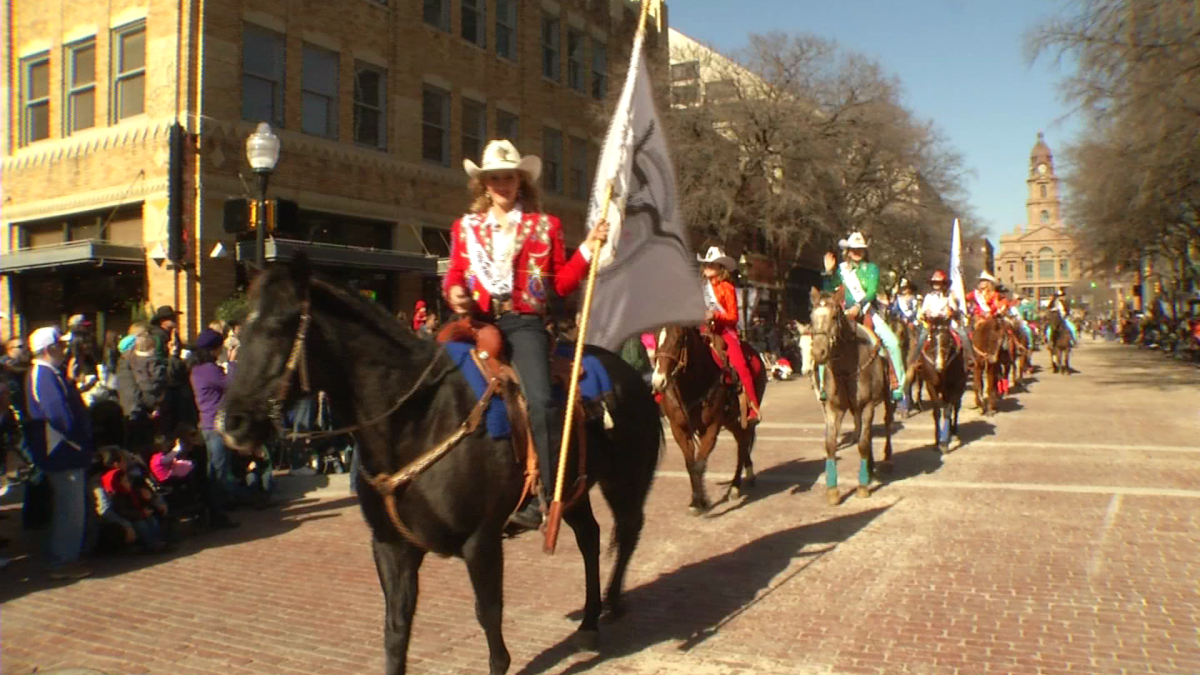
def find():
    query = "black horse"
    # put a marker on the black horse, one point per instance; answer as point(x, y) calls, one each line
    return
point(943, 370)
point(405, 396)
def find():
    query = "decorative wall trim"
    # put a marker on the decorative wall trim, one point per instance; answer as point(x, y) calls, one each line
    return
point(79, 33)
point(80, 144)
point(322, 40)
point(474, 95)
point(86, 201)
point(437, 81)
point(371, 56)
point(33, 48)
point(128, 16)
point(268, 21)
point(507, 107)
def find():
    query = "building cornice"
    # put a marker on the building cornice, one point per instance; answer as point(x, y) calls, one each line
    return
point(83, 143)
point(117, 195)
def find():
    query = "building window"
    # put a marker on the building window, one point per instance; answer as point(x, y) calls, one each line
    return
point(688, 70)
point(129, 71)
point(720, 90)
point(1045, 216)
point(580, 185)
point(370, 96)
point(507, 125)
point(685, 94)
point(318, 92)
point(435, 125)
point(506, 29)
point(1043, 190)
point(81, 86)
point(1011, 268)
point(437, 14)
point(552, 159)
point(474, 23)
point(575, 72)
point(474, 128)
point(551, 49)
point(599, 69)
point(1028, 270)
point(35, 99)
point(1064, 268)
point(1046, 263)
point(262, 75)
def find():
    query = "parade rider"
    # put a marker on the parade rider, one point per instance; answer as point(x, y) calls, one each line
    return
point(1059, 306)
point(939, 305)
point(1014, 310)
point(506, 257)
point(720, 298)
point(860, 278)
point(905, 304)
point(984, 302)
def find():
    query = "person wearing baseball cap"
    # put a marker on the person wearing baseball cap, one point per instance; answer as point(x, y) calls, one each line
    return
point(60, 442)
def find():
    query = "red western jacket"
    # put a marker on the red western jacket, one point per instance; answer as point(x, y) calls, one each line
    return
point(539, 259)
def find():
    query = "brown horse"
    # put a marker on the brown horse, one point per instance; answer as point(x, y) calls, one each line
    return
point(1060, 344)
point(856, 382)
point(698, 404)
point(941, 366)
point(987, 342)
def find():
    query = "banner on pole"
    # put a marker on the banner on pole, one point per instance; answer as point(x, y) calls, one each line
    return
point(958, 293)
point(649, 275)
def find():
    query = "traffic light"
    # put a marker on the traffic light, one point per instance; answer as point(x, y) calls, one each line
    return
point(237, 216)
point(282, 215)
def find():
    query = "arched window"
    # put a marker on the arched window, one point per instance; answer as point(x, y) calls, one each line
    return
point(1046, 262)
point(1043, 187)
point(1045, 216)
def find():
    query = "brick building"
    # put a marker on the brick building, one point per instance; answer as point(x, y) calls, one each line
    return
point(127, 124)
point(1040, 257)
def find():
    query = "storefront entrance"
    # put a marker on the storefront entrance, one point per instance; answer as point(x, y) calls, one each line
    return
point(111, 297)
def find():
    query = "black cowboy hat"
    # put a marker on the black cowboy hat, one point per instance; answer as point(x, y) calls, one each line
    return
point(166, 312)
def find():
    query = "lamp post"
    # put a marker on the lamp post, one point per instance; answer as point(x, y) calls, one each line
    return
point(262, 151)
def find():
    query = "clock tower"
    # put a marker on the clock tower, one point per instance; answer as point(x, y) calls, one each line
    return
point(1042, 207)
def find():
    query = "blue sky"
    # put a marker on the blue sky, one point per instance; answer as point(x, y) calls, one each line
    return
point(961, 63)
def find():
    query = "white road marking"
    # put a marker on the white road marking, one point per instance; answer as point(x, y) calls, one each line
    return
point(1189, 449)
point(1096, 564)
point(973, 485)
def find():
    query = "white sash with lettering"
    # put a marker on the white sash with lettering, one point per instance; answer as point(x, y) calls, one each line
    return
point(983, 306)
point(851, 283)
point(710, 297)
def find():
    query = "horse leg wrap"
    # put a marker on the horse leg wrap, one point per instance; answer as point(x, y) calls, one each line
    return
point(821, 382)
point(944, 427)
point(831, 473)
point(864, 473)
point(892, 344)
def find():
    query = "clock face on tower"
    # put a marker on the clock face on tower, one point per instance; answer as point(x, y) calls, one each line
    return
point(1042, 169)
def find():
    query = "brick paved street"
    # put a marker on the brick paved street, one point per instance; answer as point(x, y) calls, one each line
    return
point(1063, 538)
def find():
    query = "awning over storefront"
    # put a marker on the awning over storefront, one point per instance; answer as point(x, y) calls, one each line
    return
point(333, 255)
point(87, 252)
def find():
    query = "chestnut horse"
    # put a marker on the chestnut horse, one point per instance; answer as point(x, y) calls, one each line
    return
point(986, 342)
point(698, 404)
point(1059, 343)
point(856, 381)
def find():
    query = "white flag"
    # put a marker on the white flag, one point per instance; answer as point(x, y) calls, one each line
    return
point(649, 276)
point(958, 292)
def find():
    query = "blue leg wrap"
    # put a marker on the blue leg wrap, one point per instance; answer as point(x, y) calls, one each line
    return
point(944, 425)
point(821, 382)
point(864, 474)
point(831, 473)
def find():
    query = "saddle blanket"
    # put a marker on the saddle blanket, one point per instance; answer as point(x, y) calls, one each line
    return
point(594, 383)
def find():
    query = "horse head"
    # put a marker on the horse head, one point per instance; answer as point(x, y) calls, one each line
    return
point(827, 323)
point(943, 342)
point(670, 356)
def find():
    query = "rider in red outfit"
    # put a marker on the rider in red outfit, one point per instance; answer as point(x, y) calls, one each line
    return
point(722, 315)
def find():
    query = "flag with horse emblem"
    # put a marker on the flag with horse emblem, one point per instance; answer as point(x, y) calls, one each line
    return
point(648, 276)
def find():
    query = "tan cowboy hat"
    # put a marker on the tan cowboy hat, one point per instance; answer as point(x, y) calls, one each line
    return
point(716, 256)
point(502, 155)
point(855, 240)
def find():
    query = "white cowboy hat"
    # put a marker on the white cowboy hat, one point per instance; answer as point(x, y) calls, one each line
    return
point(984, 276)
point(855, 240)
point(502, 155)
point(717, 256)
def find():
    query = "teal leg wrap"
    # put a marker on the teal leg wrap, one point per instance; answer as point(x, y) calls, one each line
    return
point(821, 382)
point(1071, 327)
point(1028, 332)
point(864, 474)
point(831, 473)
point(893, 348)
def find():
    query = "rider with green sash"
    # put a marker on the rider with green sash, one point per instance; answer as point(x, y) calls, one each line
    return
point(860, 278)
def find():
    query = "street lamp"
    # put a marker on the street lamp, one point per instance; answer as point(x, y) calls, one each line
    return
point(262, 150)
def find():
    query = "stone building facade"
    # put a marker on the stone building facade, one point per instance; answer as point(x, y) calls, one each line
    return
point(127, 122)
point(1039, 258)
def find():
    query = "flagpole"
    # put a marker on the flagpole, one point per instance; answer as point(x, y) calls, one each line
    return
point(554, 517)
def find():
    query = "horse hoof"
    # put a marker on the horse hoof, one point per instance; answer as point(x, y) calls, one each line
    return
point(585, 640)
point(735, 492)
point(833, 497)
point(944, 448)
point(613, 610)
point(699, 510)
point(863, 491)
point(883, 466)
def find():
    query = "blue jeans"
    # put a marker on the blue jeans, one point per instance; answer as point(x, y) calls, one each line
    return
point(68, 524)
point(220, 487)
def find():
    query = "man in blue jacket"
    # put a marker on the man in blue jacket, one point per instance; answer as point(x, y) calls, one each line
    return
point(61, 445)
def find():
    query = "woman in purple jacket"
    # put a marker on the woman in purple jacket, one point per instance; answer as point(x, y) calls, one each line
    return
point(208, 386)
